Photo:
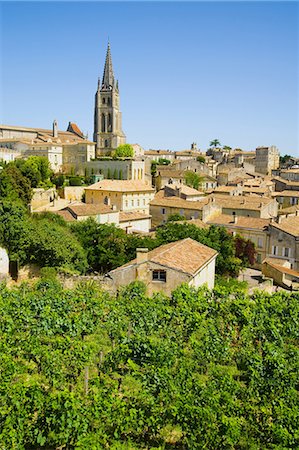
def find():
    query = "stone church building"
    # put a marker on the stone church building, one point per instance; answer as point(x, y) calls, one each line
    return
point(108, 132)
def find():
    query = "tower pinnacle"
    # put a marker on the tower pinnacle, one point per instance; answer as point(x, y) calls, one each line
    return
point(108, 76)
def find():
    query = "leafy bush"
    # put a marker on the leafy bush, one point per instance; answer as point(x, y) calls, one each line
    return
point(123, 151)
point(75, 181)
point(82, 369)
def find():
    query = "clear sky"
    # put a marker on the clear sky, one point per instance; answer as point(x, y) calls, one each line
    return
point(187, 71)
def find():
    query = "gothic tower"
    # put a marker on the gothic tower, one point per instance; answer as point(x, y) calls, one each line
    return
point(108, 132)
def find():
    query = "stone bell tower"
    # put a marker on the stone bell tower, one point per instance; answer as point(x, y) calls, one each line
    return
point(108, 132)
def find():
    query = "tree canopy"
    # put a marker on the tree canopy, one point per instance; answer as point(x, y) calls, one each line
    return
point(123, 151)
point(193, 180)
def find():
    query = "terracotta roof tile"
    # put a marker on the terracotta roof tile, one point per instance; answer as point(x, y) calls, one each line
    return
point(132, 215)
point(187, 256)
point(68, 217)
point(178, 202)
point(121, 186)
point(286, 193)
point(289, 225)
point(242, 222)
point(88, 209)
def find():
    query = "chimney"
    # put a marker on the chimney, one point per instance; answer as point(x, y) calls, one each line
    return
point(55, 129)
point(114, 208)
point(235, 218)
point(141, 255)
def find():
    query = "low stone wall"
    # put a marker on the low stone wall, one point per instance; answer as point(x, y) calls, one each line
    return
point(72, 281)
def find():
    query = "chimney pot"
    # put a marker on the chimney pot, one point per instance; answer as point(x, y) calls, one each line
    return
point(55, 129)
point(141, 255)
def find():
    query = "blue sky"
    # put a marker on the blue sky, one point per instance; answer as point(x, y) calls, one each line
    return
point(187, 71)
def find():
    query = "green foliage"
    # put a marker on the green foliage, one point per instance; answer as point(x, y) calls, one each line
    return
point(83, 370)
point(14, 186)
point(58, 180)
point(214, 237)
point(36, 169)
point(159, 162)
point(124, 151)
point(201, 159)
point(193, 180)
point(284, 159)
point(215, 143)
point(107, 246)
point(75, 181)
point(44, 240)
point(175, 217)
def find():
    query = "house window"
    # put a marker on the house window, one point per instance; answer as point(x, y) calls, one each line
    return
point(274, 250)
point(259, 258)
point(159, 275)
point(259, 242)
point(287, 252)
point(163, 211)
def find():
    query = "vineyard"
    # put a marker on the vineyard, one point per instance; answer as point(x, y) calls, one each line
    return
point(201, 370)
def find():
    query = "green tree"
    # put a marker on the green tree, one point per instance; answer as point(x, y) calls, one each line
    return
point(36, 169)
point(159, 162)
point(75, 181)
point(201, 159)
point(227, 148)
point(193, 180)
point(105, 244)
point(215, 143)
point(175, 217)
point(124, 151)
point(14, 185)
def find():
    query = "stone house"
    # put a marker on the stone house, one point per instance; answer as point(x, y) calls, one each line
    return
point(171, 175)
point(135, 222)
point(183, 191)
point(131, 222)
point(283, 240)
point(248, 206)
point(82, 211)
point(162, 207)
point(166, 267)
point(252, 228)
point(281, 273)
point(59, 147)
point(286, 198)
point(126, 195)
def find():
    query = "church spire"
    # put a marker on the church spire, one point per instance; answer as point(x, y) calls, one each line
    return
point(108, 76)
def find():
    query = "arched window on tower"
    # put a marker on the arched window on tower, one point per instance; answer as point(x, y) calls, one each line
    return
point(109, 122)
point(103, 123)
point(109, 101)
point(104, 101)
